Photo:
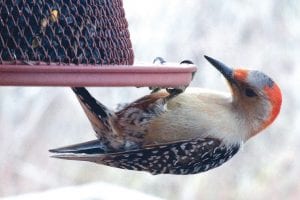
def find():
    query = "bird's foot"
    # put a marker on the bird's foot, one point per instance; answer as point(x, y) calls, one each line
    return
point(188, 62)
point(173, 92)
point(161, 61)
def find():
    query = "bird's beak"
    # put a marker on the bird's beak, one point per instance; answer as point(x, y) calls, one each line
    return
point(226, 71)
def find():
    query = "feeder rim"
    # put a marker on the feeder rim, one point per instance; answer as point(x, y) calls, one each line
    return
point(138, 75)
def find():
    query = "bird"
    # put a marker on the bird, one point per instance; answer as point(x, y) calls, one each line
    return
point(179, 131)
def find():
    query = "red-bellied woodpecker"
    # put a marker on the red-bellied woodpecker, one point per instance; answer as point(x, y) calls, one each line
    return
point(186, 133)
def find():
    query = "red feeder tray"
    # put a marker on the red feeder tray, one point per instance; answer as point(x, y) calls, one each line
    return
point(169, 75)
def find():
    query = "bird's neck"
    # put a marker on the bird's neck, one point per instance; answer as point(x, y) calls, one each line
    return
point(252, 116)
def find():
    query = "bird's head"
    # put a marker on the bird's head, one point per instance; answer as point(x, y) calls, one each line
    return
point(255, 95)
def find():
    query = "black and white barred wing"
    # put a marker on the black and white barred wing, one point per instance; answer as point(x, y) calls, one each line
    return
point(184, 157)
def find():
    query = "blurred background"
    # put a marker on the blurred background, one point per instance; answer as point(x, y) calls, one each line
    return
point(264, 35)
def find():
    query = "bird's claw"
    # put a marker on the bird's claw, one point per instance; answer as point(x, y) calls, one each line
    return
point(160, 60)
point(173, 92)
point(154, 89)
point(186, 62)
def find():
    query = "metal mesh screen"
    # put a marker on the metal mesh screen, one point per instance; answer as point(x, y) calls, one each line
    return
point(64, 31)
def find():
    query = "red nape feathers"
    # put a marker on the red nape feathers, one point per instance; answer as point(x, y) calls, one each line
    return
point(275, 97)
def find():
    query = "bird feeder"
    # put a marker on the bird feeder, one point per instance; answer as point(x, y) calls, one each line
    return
point(75, 43)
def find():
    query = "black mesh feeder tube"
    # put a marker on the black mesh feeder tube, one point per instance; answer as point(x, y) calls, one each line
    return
point(79, 32)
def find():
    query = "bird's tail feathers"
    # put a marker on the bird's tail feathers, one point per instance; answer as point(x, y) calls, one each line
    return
point(91, 103)
point(98, 114)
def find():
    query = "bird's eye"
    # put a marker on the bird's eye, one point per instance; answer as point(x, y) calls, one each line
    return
point(250, 93)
